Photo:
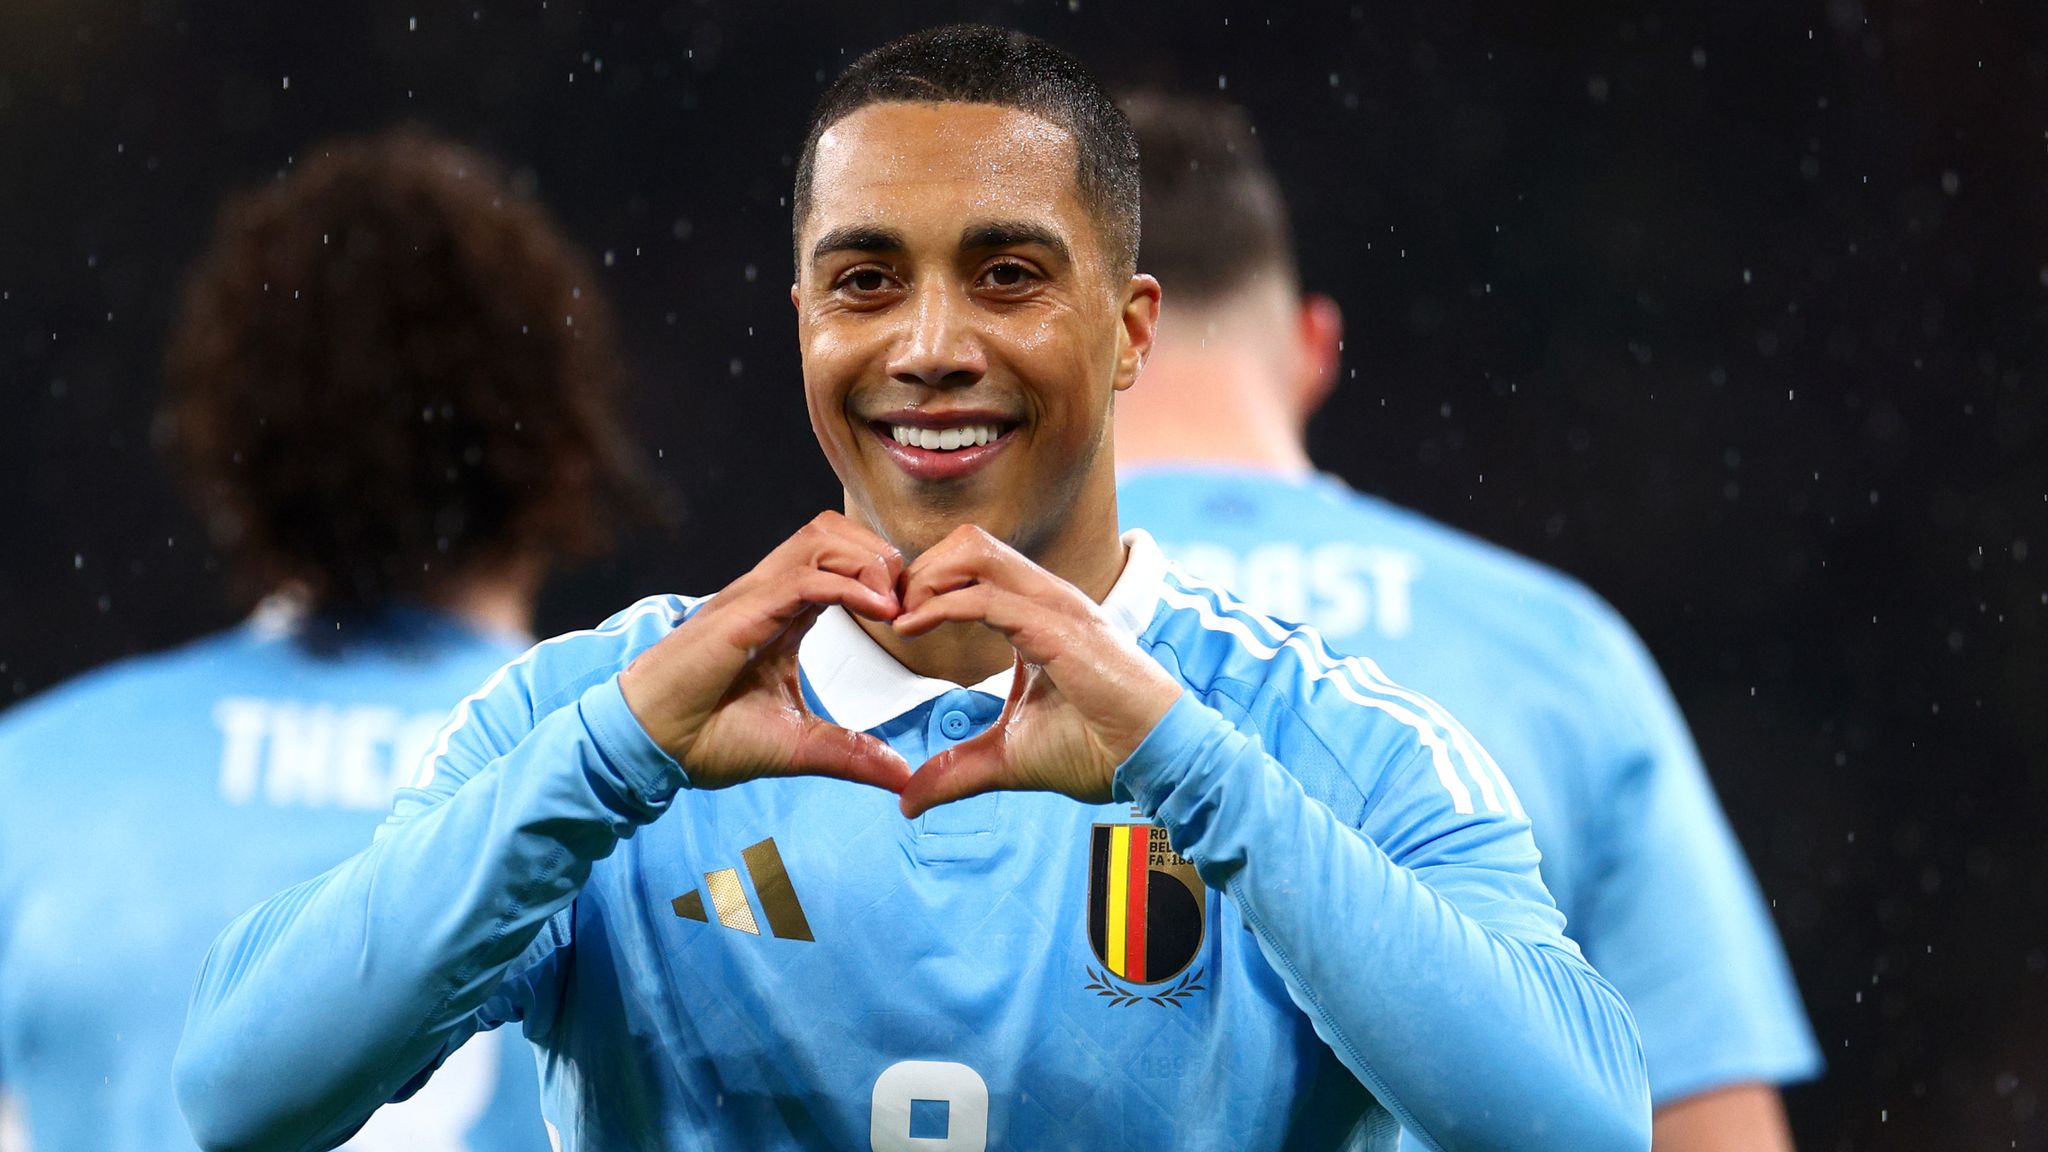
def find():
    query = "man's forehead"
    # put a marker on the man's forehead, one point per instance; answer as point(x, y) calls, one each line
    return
point(990, 159)
point(948, 125)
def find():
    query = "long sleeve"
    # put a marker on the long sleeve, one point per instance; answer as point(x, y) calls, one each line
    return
point(1421, 944)
point(333, 997)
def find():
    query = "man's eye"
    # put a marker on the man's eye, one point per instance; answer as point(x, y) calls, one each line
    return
point(1006, 276)
point(865, 280)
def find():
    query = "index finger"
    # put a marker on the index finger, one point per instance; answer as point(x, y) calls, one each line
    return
point(968, 555)
point(833, 542)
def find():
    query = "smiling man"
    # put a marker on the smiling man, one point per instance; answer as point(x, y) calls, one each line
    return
point(1166, 874)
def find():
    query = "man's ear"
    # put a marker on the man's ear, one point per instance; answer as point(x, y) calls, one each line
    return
point(1319, 330)
point(1140, 323)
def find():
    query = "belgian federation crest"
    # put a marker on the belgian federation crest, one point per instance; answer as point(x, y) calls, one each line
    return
point(1146, 914)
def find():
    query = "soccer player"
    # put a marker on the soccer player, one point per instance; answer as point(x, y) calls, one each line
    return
point(1166, 875)
point(388, 427)
point(1548, 677)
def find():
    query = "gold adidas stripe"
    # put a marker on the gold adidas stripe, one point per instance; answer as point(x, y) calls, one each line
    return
point(777, 894)
point(730, 900)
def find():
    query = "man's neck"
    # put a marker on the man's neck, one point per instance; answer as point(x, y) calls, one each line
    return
point(500, 601)
point(1208, 405)
point(1090, 555)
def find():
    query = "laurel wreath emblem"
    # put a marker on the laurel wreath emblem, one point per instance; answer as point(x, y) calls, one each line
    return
point(1122, 996)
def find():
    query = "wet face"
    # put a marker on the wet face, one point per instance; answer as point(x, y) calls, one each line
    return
point(963, 329)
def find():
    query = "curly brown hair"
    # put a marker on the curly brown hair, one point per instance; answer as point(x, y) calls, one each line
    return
point(391, 371)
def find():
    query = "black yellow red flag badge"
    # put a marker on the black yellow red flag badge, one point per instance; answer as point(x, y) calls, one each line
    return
point(1146, 905)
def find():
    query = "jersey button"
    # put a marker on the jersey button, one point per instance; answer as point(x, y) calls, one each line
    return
point(954, 724)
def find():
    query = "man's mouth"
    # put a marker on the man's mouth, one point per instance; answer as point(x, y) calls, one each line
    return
point(944, 439)
point(942, 446)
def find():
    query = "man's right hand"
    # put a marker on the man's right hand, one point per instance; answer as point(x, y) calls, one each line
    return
point(720, 693)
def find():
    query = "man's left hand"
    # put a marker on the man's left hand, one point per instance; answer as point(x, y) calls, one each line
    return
point(1084, 697)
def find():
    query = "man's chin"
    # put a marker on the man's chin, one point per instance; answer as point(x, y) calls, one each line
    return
point(916, 529)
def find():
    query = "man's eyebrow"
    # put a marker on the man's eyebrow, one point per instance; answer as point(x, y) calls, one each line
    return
point(858, 238)
point(1011, 234)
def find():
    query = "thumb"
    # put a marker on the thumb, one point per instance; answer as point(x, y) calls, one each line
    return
point(967, 769)
point(826, 749)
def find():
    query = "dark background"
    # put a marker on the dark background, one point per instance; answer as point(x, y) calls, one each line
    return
point(1736, 311)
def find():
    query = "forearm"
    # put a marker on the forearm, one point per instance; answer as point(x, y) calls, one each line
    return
point(320, 1004)
point(1417, 998)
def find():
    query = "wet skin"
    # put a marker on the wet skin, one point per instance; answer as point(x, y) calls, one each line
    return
point(950, 274)
point(950, 278)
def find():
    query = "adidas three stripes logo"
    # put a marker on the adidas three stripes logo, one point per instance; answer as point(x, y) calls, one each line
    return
point(770, 880)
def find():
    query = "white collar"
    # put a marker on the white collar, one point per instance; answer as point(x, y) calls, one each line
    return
point(862, 686)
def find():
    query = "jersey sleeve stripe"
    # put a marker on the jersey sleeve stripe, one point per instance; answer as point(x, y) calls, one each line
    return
point(459, 718)
point(1485, 771)
point(1314, 669)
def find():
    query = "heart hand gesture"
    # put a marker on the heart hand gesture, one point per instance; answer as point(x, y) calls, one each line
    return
point(1084, 696)
point(720, 693)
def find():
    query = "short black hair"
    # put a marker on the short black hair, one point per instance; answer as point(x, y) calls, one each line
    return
point(980, 64)
point(1214, 215)
point(391, 371)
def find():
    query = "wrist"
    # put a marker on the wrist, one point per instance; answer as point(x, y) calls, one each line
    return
point(646, 699)
point(1163, 758)
point(647, 768)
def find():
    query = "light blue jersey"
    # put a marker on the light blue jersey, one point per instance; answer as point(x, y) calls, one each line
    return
point(1304, 925)
point(145, 805)
point(1572, 708)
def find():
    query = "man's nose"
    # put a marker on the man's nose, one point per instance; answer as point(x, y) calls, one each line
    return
point(939, 347)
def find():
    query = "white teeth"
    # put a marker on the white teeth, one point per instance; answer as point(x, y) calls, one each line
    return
point(946, 439)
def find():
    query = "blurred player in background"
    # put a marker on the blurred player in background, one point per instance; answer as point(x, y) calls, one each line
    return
point(390, 427)
point(1547, 676)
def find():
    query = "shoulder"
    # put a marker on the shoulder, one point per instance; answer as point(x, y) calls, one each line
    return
point(1512, 598)
point(1339, 724)
point(88, 699)
point(1475, 561)
point(567, 662)
point(559, 668)
point(546, 676)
